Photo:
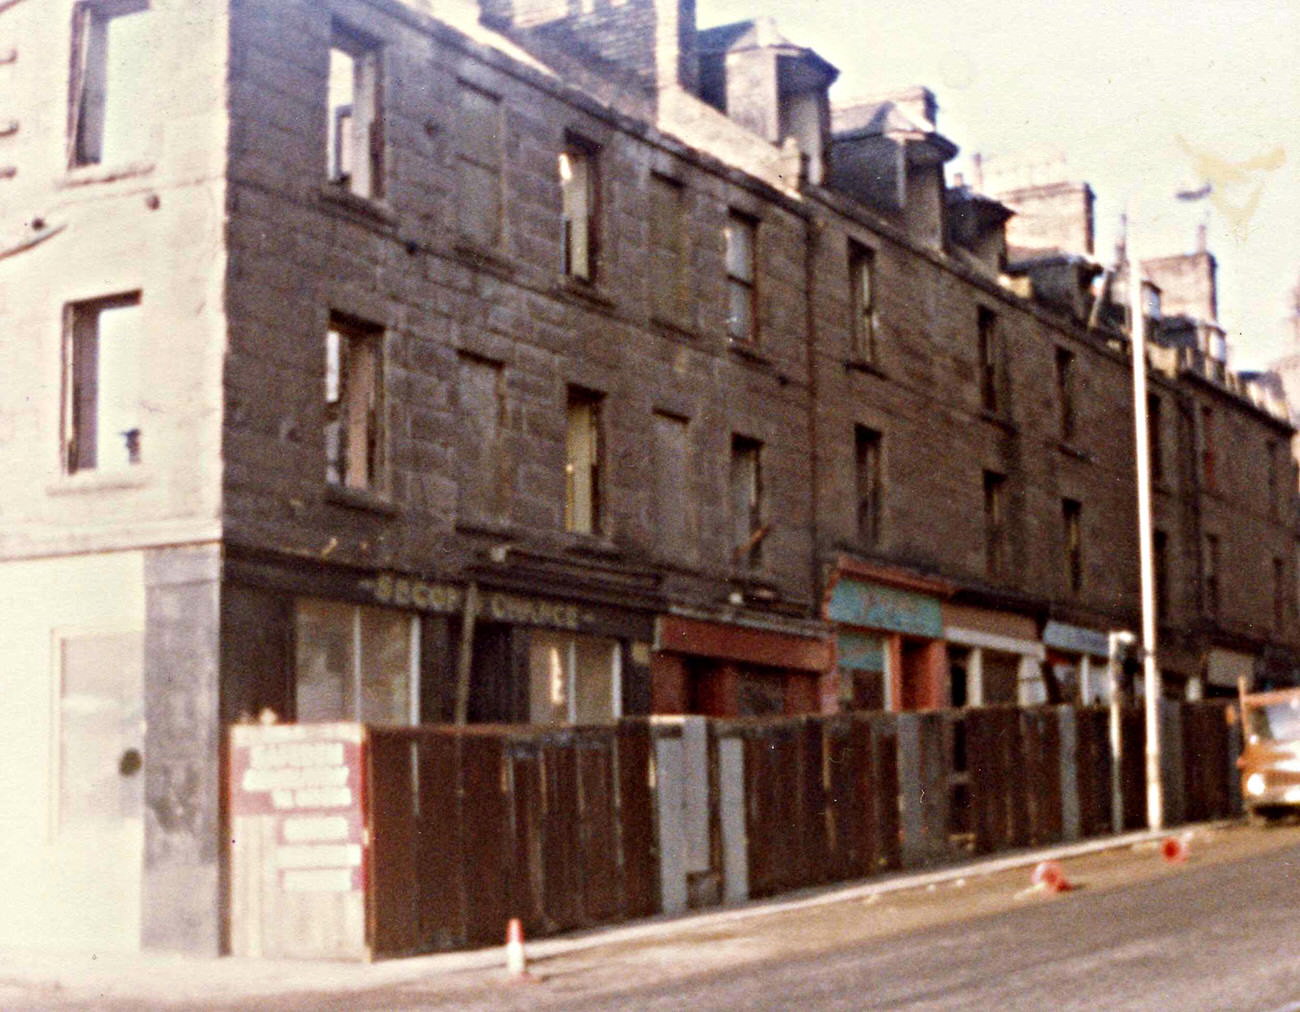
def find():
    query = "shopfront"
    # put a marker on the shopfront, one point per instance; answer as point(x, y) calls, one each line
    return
point(739, 666)
point(889, 638)
point(994, 657)
point(318, 644)
point(1077, 663)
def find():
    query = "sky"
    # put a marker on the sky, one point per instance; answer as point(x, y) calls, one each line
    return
point(1141, 99)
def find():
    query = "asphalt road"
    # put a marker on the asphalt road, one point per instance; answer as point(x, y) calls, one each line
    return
point(1218, 932)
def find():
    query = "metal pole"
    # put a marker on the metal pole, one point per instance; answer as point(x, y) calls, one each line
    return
point(1151, 673)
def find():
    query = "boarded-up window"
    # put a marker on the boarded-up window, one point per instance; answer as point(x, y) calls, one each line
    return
point(103, 352)
point(355, 145)
point(479, 157)
point(573, 679)
point(1065, 391)
point(746, 479)
point(354, 663)
point(483, 466)
point(582, 505)
point(669, 252)
point(110, 83)
point(101, 729)
point(674, 505)
point(354, 405)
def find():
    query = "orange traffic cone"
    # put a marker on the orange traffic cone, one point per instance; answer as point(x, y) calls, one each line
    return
point(1049, 877)
point(1173, 849)
point(516, 958)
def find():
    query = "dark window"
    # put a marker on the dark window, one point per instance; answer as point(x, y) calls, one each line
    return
point(103, 355)
point(995, 522)
point(1072, 522)
point(867, 474)
point(1065, 391)
point(1160, 561)
point(741, 239)
point(1279, 594)
point(582, 453)
point(1155, 438)
point(1270, 449)
point(1212, 574)
point(748, 529)
point(1208, 478)
point(990, 360)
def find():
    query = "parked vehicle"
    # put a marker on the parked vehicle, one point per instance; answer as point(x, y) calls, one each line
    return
point(1270, 756)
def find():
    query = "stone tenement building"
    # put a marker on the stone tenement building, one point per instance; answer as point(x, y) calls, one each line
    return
point(411, 362)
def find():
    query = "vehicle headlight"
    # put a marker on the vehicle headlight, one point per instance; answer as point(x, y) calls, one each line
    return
point(1255, 784)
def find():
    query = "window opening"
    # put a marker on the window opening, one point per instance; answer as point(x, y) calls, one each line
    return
point(582, 505)
point(867, 444)
point(103, 412)
point(354, 438)
point(578, 199)
point(740, 241)
point(355, 140)
point(109, 85)
point(748, 529)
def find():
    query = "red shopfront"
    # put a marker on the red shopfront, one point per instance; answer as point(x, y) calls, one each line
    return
point(731, 669)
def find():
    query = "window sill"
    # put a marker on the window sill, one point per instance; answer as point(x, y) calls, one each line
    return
point(866, 366)
point(87, 175)
point(486, 526)
point(1071, 450)
point(483, 258)
point(673, 329)
point(1000, 420)
point(372, 211)
point(747, 350)
point(90, 481)
point(592, 544)
point(580, 290)
point(360, 499)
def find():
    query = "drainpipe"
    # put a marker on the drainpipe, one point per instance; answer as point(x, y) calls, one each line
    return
point(812, 230)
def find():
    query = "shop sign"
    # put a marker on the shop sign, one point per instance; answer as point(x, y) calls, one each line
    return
point(306, 780)
point(497, 606)
point(1076, 639)
point(878, 607)
point(862, 653)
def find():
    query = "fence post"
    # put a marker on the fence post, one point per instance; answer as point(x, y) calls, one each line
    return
point(1070, 818)
point(669, 790)
point(731, 806)
point(1173, 760)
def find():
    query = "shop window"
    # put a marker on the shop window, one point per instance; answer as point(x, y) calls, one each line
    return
point(579, 195)
point(1072, 524)
point(1000, 677)
point(867, 480)
point(110, 87)
point(582, 453)
point(862, 278)
point(355, 663)
point(573, 679)
point(103, 354)
point(483, 465)
point(674, 503)
point(748, 528)
point(479, 159)
point(1212, 575)
point(990, 360)
point(354, 407)
point(741, 241)
point(995, 522)
point(1065, 391)
point(669, 251)
point(355, 145)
